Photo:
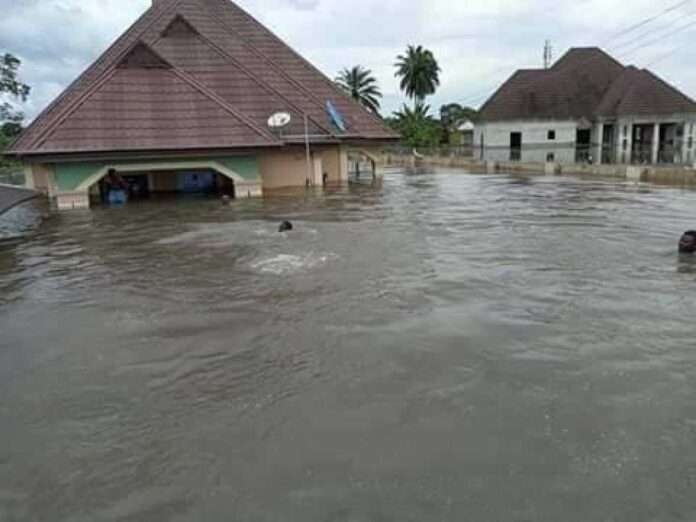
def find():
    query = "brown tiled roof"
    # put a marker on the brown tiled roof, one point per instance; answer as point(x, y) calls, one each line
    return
point(640, 92)
point(194, 74)
point(584, 83)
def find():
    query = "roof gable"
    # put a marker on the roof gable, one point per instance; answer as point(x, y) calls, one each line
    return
point(221, 53)
point(584, 83)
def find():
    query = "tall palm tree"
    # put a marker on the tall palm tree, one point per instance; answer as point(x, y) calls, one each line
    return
point(359, 83)
point(419, 73)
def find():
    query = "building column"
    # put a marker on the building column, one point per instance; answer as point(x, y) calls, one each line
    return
point(685, 144)
point(343, 163)
point(655, 144)
point(29, 177)
point(626, 154)
point(596, 148)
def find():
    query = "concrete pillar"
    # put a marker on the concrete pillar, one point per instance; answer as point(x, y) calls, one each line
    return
point(29, 177)
point(343, 163)
point(597, 138)
point(628, 136)
point(685, 144)
point(655, 144)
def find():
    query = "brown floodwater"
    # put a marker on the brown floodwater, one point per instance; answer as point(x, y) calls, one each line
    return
point(442, 347)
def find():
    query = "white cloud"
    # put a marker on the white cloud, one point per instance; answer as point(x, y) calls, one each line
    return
point(477, 43)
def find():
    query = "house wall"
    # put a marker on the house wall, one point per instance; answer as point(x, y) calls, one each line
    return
point(288, 167)
point(535, 143)
point(40, 177)
point(283, 168)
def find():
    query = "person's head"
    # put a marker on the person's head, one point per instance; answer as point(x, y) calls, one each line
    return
point(687, 243)
point(285, 226)
point(111, 173)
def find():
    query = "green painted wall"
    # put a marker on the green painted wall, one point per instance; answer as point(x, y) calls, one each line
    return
point(69, 176)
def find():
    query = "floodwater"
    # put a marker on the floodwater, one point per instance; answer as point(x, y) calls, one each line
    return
point(443, 347)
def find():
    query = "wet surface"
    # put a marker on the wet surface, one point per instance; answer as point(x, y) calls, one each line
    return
point(443, 347)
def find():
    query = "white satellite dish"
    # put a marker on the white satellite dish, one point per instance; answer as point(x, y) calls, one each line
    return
point(279, 120)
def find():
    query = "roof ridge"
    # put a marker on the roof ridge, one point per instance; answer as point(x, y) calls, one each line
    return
point(103, 58)
point(276, 67)
point(213, 96)
point(309, 64)
point(269, 88)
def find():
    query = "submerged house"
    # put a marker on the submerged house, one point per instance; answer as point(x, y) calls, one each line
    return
point(587, 108)
point(196, 92)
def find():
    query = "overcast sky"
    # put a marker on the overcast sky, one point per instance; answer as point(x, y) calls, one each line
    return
point(478, 43)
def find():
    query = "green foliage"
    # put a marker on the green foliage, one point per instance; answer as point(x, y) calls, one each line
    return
point(419, 73)
point(417, 128)
point(359, 83)
point(10, 118)
point(12, 86)
point(453, 114)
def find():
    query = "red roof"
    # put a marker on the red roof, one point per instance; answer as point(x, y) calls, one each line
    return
point(584, 83)
point(195, 74)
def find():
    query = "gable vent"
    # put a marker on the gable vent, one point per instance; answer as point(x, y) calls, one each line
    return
point(142, 57)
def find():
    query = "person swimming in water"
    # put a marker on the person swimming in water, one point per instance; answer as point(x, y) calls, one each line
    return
point(687, 243)
point(285, 226)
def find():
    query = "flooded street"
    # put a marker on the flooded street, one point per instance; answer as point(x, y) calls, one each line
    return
point(443, 347)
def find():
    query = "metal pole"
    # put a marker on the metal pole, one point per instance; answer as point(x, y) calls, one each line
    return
point(309, 160)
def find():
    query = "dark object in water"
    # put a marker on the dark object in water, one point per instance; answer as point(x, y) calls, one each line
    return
point(226, 200)
point(687, 243)
point(11, 196)
point(285, 226)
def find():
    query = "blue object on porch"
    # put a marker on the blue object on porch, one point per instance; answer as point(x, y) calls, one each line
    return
point(336, 117)
point(117, 197)
point(196, 182)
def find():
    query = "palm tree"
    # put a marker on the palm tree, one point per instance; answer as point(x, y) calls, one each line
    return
point(419, 73)
point(418, 115)
point(359, 83)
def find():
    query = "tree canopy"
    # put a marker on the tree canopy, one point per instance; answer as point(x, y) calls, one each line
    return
point(11, 89)
point(417, 128)
point(360, 84)
point(419, 73)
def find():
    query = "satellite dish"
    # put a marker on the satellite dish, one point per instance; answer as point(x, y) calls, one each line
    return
point(279, 120)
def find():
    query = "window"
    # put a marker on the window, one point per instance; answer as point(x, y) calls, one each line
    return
point(625, 130)
point(625, 144)
point(691, 142)
point(550, 157)
point(551, 135)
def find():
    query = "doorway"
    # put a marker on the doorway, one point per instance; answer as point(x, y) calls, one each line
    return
point(583, 146)
point(643, 136)
point(515, 146)
point(608, 141)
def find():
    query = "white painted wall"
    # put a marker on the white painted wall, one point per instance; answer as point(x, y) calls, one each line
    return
point(536, 146)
